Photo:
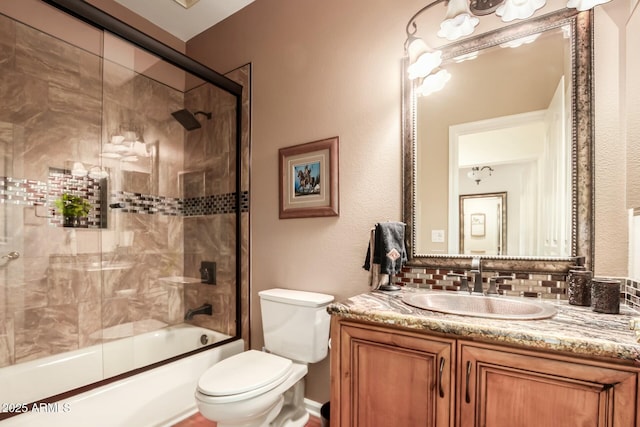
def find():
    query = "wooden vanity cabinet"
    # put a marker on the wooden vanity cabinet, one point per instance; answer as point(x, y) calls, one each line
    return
point(388, 377)
point(500, 386)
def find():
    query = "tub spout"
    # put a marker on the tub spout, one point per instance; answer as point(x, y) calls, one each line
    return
point(204, 309)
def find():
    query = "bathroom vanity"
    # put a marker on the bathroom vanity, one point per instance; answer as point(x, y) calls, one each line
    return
point(396, 365)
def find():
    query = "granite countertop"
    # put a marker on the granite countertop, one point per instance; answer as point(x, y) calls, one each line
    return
point(574, 329)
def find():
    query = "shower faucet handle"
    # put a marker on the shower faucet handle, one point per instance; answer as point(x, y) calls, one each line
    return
point(208, 272)
point(11, 255)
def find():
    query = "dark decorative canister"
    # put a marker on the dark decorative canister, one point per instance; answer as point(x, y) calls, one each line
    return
point(579, 287)
point(605, 296)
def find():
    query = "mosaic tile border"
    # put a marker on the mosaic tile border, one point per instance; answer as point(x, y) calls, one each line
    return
point(208, 205)
point(26, 192)
point(632, 294)
point(533, 285)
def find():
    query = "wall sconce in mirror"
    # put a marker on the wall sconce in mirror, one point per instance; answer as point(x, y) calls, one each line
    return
point(478, 173)
point(460, 20)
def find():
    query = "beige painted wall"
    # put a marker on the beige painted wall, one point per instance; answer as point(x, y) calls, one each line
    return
point(320, 69)
point(611, 231)
point(632, 103)
point(333, 68)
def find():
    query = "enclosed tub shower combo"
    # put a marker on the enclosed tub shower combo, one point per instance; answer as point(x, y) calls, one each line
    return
point(121, 206)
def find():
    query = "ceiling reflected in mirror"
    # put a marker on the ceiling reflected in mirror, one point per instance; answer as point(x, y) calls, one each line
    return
point(460, 20)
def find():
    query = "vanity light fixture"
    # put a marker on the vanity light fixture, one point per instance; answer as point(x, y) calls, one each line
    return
point(433, 83)
point(461, 20)
point(477, 173)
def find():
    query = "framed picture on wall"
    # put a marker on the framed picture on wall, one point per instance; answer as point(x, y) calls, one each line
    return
point(309, 179)
point(477, 224)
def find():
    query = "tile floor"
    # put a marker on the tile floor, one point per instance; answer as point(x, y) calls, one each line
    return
point(198, 420)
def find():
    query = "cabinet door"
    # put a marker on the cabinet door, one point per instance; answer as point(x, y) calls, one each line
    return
point(514, 388)
point(390, 378)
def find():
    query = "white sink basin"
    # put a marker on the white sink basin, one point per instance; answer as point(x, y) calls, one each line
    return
point(481, 306)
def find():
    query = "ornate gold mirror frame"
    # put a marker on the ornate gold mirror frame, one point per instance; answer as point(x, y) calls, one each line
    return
point(580, 26)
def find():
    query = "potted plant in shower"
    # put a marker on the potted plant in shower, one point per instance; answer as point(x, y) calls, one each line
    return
point(73, 209)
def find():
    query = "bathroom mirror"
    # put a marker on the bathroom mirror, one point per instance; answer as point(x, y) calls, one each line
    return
point(514, 120)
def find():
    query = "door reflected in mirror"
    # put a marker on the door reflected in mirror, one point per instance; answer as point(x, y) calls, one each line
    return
point(483, 224)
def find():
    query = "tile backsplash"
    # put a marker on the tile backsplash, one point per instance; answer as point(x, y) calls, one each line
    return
point(533, 285)
point(547, 286)
point(632, 294)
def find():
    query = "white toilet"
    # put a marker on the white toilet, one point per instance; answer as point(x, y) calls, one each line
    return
point(255, 388)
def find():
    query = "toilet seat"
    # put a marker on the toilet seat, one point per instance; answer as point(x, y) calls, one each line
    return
point(243, 376)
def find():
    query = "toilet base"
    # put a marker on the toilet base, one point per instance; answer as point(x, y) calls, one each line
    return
point(280, 407)
point(293, 413)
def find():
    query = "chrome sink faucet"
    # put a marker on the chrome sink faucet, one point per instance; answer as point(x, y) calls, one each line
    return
point(476, 270)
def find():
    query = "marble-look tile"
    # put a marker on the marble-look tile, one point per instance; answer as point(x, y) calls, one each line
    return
point(28, 292)
point(115, 311)
point(7, 42)
point(175, 301)
point(175, 234)
point(150, 305)
point(89, 322)
point(45, 57)
point(23, 97)
point(68, 284)
point(574, 329)
point(7, 343)
point(45, 331)
point(150, 267)
point(6, 148)
point(122, 281)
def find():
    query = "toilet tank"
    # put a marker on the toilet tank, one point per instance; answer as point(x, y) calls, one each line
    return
point(295, 323)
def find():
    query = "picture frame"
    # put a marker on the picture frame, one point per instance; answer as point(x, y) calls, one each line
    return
point(477, 224)
point(308, 176)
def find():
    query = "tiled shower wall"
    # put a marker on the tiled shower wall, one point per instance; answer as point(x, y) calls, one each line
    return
point(50, 114)
point(75, 287)
point(210, 170)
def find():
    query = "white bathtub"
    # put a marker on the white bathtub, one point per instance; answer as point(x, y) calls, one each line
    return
point(158, 397)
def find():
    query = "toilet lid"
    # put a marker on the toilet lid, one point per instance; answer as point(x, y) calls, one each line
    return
point(244, 372)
